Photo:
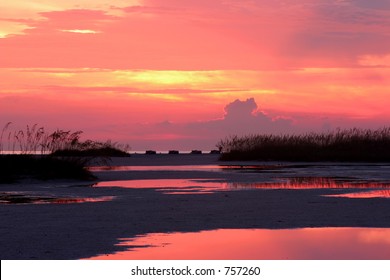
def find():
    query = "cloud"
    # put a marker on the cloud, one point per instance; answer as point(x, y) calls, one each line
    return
point(203, 35)
point(352, 12)
point(337, 48)
point(240, 109)
point(134, 123)
point(241, 118)
point(375, 60)
point(126, 42)
point(373, 4)
point(244, 117)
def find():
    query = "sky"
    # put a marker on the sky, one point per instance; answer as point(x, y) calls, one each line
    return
point(174, 74)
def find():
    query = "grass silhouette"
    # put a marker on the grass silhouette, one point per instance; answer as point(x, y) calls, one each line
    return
point(354, 145)
point(35, 140)
point(35, 153)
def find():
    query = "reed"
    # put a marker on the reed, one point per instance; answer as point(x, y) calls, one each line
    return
point(35, 153)
point(35, 140)
point(355, 145)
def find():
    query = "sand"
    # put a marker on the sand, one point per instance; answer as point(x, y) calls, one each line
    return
point(82, 230)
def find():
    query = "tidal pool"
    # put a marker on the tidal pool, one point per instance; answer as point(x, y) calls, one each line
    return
point(168, 186)
point(258, 244)
point(364, 194)
point(199, 186)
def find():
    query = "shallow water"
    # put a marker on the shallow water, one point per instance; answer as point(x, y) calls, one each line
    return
point(257, 244)
point(365, 194)
point(302, 168)
point(197, 186)
point(340, 181)
point(208, 175)
point(168, 186)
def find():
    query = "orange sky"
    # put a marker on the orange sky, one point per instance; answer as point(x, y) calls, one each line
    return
point(161, 74)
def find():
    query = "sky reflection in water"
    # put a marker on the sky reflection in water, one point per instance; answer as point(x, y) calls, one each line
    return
point(300, 244)
point(197, 186)
point(252, 244)
point(364, 194)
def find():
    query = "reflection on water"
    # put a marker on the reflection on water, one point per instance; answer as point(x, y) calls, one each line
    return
point(253, 244)
point(311, 183)
point(168, 186)
point(364, 194)
point(196, 186)
point(20, 198)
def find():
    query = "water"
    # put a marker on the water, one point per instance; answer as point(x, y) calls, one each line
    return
point(259, 244)
point(364, 194)
point(188, 174)
point(168, 186)
point(251, 198)
point(353, 189)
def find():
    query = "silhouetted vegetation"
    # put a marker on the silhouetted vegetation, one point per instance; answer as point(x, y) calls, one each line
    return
point(355, 145)
point(15, 167)
point(34, 153)
point(35, 140)
point(92, 152)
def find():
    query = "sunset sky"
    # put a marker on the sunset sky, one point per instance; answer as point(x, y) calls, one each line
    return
point(181, 74)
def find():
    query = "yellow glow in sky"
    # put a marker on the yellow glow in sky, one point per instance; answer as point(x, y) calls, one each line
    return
point(81, 31)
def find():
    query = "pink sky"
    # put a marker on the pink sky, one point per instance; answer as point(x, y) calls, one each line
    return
point(178, 74)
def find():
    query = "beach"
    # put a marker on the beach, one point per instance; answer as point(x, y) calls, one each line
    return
point(203, 194)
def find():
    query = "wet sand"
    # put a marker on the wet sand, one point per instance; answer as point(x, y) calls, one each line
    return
point(83, 230)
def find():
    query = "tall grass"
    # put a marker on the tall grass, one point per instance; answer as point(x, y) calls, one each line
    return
point(340, 145)
point(35, 153)
point(35, 140)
